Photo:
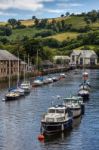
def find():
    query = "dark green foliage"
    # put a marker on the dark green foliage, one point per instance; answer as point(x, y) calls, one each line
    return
point(45, 33)
point(5, 31)
point(12, 22)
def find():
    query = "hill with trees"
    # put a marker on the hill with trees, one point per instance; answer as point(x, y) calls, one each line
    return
point(51, 36)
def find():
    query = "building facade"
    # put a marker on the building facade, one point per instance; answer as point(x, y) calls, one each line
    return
point(9, 64)
point(83, 57)
point(63, 60)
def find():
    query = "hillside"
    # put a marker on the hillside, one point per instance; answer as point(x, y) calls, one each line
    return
point(54, 36)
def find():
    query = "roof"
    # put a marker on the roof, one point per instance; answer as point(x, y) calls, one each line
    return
point(5, 55)
point(47, 62)
point(61, 57)
point(84, 53)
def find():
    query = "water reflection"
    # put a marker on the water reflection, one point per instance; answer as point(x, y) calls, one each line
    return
point(20, 120)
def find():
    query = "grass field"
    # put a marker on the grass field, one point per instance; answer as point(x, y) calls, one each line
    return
point(92, 47)
point(64, 36)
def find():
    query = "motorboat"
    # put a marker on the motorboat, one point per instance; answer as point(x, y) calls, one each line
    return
point(84, 93)
point(55, 78)
point(62, 75)
point(48, 80)
point(74, 105)
point(58, 119)
point(85, 76)
point(38, 82)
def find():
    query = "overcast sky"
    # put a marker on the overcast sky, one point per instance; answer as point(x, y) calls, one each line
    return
point(25, 9)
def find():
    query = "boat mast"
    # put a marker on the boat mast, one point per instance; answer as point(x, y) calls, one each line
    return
point(37, 61)
point(24, 67)
point(18, 71)
point(28, 62)
point(9, 73)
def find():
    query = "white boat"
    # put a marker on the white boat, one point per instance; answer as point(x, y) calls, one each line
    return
point(48, 80)
point(84, 86)
point(38, 82)
point(55, 78)
point(74, 105)
point(20, 90)
point(84, 93)
point(57, 119)
point(26, 86)
point(62, 75)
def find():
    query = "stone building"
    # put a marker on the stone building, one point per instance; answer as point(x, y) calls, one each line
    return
point(9, 64)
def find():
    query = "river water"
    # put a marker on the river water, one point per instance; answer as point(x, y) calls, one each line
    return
point(20, 120)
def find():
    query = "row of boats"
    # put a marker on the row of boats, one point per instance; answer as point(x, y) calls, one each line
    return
point(21, 90)
point(39, 81)
point(25, 87)
point(59, 118)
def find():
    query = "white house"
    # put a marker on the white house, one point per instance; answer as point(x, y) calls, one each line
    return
point(83, 57)
point(65, 60)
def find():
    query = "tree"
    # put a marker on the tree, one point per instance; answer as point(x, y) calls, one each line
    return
point(62, 15)
point(33, 17)
point(36, 21)
point(67, 14)
point(12, 22)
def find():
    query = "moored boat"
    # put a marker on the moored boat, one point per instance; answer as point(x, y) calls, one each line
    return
point(57, 119)
point(62, 75)
point(26, 86)
point(84, 94)
point(74, 105)
point(12, 96)
point(18, 89)
point(38, 82)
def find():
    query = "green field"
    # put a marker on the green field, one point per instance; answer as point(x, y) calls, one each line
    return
point(19, 33)
point(64, 36)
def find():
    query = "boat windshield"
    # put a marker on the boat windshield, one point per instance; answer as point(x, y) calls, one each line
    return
point(59, 110)
point(51, 110)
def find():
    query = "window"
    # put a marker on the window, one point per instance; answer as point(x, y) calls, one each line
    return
point(73, 58)
point(81, 61)
point(92, 61)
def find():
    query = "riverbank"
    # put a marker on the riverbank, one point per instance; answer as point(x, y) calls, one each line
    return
point(38, 73)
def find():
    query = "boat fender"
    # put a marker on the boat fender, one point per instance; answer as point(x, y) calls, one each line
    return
point(41, 137)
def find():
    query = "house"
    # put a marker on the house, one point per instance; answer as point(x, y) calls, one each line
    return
point(8, 64)
point(46, 64)
point(83, 57)
point(63, 60)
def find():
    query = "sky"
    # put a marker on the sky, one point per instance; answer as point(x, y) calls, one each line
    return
point(25, 9)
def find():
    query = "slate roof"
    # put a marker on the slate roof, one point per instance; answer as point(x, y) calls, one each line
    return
point(5, 55)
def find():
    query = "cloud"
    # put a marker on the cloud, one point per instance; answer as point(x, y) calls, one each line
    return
point(24, 4)
point(69, 5)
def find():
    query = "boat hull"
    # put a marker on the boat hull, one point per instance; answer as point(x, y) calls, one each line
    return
point(84, 96)
point(51, 128)
point(77, 112)
point(9, 98)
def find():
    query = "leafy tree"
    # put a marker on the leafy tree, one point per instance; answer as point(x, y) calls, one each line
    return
point(33, 17)
point(36, 21)
point(67, 14)
point(12, 22)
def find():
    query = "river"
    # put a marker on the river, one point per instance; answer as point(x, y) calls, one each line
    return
point(20, 119)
